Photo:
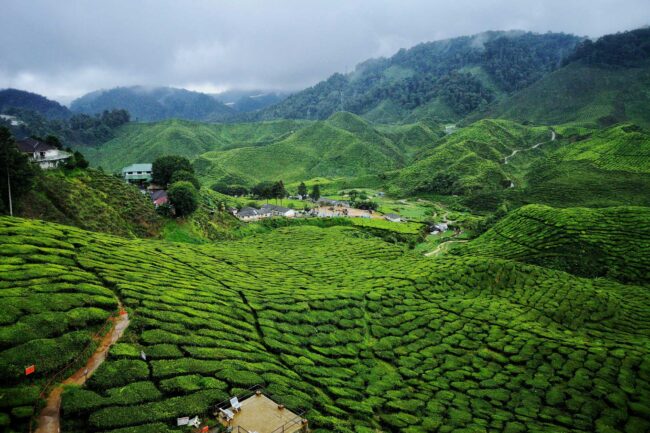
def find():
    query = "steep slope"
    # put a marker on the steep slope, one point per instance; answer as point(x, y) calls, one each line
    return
point(23, 100)
point(610, 242)
point(605, 82)
point(152, 104)
point(603, 168)
point(344, 145)
point(342, 327)
point(91, 200)
point(245, 101)
point(450, 77)
point(144, 142)
point(468, 161)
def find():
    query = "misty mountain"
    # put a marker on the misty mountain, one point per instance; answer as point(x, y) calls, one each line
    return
point(21, 100)
point(245, 101)
point(446, 79)
point(147, 104)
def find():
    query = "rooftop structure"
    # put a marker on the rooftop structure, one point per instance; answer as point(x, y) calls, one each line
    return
point(43, 154)
point(259, 414)
point(137, 173)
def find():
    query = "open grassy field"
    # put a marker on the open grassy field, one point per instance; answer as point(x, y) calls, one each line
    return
point(351, 329)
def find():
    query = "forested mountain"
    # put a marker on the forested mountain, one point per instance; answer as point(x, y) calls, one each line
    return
point(12, 100)
point(152, 104)
point(456, 76)
point(602, 83)
point(245, 101)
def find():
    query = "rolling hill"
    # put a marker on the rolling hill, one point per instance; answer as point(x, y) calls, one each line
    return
point(444, 79)
point(606, 242)
point(144, 142)
point(147, 104)
point(484, 341)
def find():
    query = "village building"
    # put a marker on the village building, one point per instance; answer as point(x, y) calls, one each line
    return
point(279, 210)
point(159, 197)
point(13, 120)
point(393, 217)
point(324, 201)
point(43, 154)
point(137, 173)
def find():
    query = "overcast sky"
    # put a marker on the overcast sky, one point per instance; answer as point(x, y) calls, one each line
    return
point(65, 48)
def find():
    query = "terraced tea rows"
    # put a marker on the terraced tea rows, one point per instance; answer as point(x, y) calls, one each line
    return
point(611, 242)
point(361, 336)
point(50, 309)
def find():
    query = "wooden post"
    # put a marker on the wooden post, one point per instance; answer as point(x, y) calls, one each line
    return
point(305, 426)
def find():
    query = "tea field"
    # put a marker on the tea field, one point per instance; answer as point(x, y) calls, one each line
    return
point(354, 331)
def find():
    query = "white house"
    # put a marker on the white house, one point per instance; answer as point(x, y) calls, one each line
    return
point(43, 154)
point(278, 210)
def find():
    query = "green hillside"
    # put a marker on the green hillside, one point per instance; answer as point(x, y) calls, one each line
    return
point(579, 92)
point(343, 145)
point(611, 242)
point(143, 142)
point(349, 329)
point(610, 167)
point(468, 161)
point(91, 200)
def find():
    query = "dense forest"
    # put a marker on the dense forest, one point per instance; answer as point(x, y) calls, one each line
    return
point(78, 129)
point(621, 49)
point(459, 71)
point(13, 98)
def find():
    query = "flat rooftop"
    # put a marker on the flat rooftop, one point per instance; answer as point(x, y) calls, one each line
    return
point(261, 414)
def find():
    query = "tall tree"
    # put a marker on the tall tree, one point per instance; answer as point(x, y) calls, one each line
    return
point(263, 190)
point(302, 190)
point(16, 172)
point(164, 167)
point(279, 191)
point(315, 192)
point(184, 197)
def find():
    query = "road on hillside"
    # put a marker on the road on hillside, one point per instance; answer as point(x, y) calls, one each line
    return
point(535, 146)
point(49, 419)
point(514, 152)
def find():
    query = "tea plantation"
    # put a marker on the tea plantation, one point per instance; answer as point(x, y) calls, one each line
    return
point(354, 331)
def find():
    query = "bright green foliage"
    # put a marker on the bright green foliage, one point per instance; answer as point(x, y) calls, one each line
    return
point(51, 308)
point(91, 200)
point(468, 161)
point(352, 328)
point(609, 242)
point(144, 142)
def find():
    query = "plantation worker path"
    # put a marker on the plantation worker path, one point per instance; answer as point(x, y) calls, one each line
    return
point(535, 146)
point(49, 418)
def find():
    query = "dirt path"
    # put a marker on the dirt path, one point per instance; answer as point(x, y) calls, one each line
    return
point(439, 248)
point(514, 152)
point(49, 420)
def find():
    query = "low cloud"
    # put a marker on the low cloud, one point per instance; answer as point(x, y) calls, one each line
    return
point(65, 49)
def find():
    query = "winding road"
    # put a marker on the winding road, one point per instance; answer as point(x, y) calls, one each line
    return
point(49, 419)
point(535, 146)
point(440, 246)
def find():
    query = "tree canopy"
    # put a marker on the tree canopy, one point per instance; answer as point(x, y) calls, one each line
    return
point(15, 170)
point(183, 197)
point(164, 167)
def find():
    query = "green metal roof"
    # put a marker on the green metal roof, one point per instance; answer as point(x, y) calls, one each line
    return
point(137, 167)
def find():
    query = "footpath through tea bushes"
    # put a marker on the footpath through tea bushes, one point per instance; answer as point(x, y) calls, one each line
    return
point(353, 330)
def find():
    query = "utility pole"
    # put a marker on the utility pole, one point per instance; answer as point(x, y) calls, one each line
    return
point(11, 210)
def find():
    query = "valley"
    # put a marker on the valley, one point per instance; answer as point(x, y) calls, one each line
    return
point(452, 239)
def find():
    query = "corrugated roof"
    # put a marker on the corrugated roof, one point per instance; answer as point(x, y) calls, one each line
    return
point(30, 145)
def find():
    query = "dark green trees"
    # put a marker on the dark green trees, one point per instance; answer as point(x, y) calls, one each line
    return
point(16, 173)
point(184, 197)
point(302, 190)
point(184, 175)
point(315, 192)
point(164, 167)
